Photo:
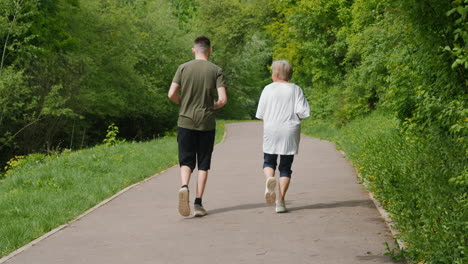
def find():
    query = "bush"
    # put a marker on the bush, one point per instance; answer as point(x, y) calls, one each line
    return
point(23, 161)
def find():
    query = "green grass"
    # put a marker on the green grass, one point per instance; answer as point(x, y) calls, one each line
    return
point(411, 176)
point(45, 192)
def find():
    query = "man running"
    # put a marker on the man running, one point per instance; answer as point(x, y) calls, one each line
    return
point(199, 81)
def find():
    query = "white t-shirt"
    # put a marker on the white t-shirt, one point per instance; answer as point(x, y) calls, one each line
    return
point(281, 107)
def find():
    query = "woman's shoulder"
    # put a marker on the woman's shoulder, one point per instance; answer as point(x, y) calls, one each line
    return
point(280, 84)
point(278, 87)
point(295, 86)
point(269, 87)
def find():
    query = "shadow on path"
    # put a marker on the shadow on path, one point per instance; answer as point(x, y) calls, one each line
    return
point(238, 207)
point(351, 203)
point(379, 259)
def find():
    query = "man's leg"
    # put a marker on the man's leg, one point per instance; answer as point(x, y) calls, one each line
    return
point(201, 182)
point(205, 145)
point(187, 158)
point(186, 139)
point(185, 173)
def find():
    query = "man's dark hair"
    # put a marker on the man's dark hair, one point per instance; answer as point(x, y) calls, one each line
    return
point(202, 43)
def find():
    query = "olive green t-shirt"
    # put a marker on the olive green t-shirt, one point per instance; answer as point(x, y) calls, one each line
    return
point(198, 80)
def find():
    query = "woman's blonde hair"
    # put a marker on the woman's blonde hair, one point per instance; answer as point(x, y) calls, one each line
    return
point(283, 69)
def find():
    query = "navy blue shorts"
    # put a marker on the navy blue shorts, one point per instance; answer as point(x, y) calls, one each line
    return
point(195, 148)
point(270, 160)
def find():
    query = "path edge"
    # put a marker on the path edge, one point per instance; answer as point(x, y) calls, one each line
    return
point(383, 213)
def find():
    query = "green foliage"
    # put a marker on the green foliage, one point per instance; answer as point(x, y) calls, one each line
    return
point(69, 67)
point(186, 11)
point(13, 163)
point(55, 104)
point(17, 109)
point(246, 78)
point(15, 22)
point(355, 57)
point(311, 36)
point(460, 33)
point(461, 180)
point(111, 136)
point(394, 253)
point(23, 162)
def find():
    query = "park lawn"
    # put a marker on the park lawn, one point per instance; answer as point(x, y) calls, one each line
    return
point(46, 192)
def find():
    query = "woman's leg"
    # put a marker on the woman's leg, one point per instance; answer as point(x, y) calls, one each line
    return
point(285, 174)
point(269, 167)
point(283, 187)
point(269, 172)
point(269, 164)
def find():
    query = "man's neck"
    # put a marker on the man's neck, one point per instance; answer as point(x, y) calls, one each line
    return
point(201, 57)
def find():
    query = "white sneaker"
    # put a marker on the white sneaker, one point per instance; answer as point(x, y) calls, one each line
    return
point(184, 207)
point(199, 210)
point(281, 207)
point(270, 195)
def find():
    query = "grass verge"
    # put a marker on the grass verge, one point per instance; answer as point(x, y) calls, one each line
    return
point(43, 192)
point(417, 178)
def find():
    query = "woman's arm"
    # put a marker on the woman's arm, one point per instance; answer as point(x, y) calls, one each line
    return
point(261, 107)
point(302, 108)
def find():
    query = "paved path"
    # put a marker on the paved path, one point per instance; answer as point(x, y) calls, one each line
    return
point(331, 219)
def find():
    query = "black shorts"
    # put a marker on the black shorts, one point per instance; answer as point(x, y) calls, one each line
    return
point(195, 147)
point(270, 160)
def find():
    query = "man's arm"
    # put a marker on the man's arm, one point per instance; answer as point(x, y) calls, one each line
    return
point(222, 98)
point(173, 93)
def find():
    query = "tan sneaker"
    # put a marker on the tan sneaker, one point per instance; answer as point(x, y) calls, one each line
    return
point(184, 207)
point(270, 195)
point(199, 210)
point(281, 207)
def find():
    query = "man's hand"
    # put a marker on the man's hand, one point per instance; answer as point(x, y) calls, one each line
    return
point(173, 93)
point(222, 98)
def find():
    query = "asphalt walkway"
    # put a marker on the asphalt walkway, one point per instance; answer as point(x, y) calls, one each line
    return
point(331, 218)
